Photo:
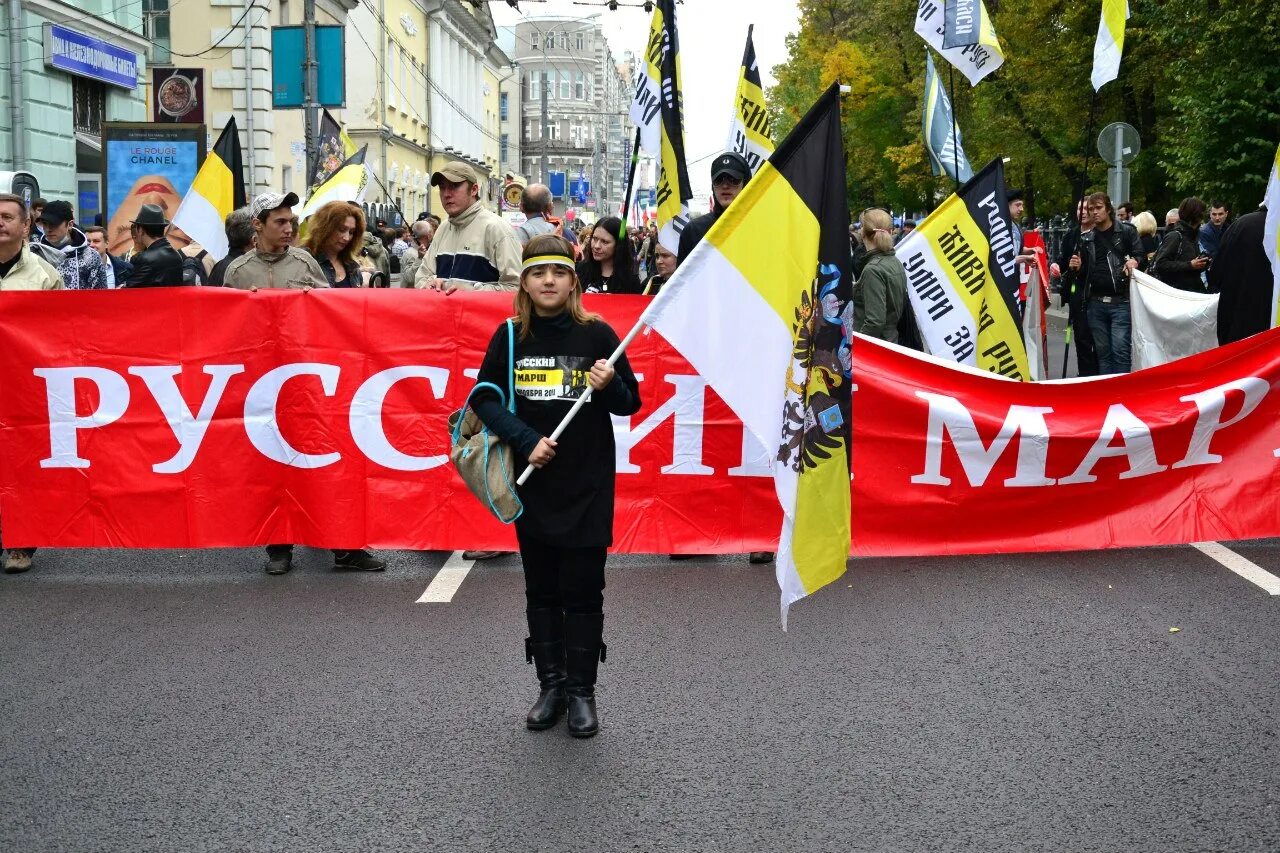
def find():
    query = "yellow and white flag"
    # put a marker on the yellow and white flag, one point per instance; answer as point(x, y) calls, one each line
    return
point(217, 190)
point(349, 183)
point(975, 60)
point(751, 129)
point(1110, 44)
point(769, 325)
point(1271, 236)
point(962, 278)
point(658, 113)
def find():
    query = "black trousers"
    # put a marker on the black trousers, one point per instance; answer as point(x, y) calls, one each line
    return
point(569, 579)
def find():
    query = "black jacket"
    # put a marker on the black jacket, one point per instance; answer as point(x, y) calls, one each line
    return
point(697, 228)
point(570, 500)
point(218, 277)
point(159, 266)
point(121, 268)
point(1172, 263)
point(1242, 275)
point(1096, 248)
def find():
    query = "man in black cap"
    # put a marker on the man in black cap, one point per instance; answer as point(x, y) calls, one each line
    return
point(68, 250)
point(729, 174)
point(155, 262)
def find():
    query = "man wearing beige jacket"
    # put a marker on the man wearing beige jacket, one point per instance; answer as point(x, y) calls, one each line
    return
point(474, 249)
point(276, 262)
point(20, 269)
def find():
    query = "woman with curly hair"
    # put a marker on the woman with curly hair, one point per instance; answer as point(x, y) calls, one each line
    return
point(333, 240)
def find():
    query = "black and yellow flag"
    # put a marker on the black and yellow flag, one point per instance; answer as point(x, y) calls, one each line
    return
point(769, 325)
point(658, 113)
point(751, 129)
point(217, 190)
point(962, 278)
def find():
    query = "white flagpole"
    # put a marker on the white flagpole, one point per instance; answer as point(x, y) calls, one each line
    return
point(586, 395)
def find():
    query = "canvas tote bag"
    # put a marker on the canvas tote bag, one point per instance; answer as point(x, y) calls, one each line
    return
point(485, 463)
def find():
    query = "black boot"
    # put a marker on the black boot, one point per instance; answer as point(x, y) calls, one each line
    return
point(545, 647)
point(583, 651)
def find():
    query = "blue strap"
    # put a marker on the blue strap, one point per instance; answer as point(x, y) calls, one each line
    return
point(457, 427)
point(511, 364)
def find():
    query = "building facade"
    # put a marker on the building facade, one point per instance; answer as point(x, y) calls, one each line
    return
point(510, 122)
point(575, 102)
point(387, 100)
point(77, 65)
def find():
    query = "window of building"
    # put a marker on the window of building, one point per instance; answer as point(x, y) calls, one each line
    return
point(389, 72)
point(533, 39)
point(502, 149)
point(535, 91)
point(580, 42)
point(88, 105)
point(564, 40)
point(549, 80)
point(502, 105)
point(565, 90)
point(155, 26)
point(579, 86)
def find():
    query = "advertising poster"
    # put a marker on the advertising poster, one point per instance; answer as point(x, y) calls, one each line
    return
point(146, 164)
point(177, 95)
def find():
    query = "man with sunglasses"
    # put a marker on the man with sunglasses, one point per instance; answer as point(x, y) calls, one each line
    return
point(729, 174)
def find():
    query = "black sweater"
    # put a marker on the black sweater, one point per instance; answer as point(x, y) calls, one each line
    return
point(569, 501)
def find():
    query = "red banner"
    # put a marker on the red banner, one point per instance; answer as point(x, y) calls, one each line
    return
point(194, 417)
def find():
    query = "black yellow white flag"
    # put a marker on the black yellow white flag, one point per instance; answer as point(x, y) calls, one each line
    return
point(333, 150)
point(349, 183)
point(1109, 47)
point(217, 190)
point(769, 326)
point(657, 111)
point(962, 278)
point(974, 61)
point(941, 134)
point(750, 130)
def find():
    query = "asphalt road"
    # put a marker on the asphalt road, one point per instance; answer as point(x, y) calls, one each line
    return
point(165, 701)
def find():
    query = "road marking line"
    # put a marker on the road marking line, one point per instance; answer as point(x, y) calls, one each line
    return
point(1244, 568)
point(446, 582)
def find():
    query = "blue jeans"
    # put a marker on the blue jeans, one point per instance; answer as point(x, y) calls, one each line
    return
point(1110, 324)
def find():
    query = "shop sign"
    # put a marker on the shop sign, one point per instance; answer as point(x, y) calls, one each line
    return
point(85, 56)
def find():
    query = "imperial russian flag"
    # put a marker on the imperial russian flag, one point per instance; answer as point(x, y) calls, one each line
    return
point(217, 190)
point(764, 314)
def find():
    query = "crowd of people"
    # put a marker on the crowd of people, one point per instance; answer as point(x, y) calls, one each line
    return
point(1198, 248)
point(548, 265)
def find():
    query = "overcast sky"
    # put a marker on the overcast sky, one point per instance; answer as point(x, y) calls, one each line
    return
point(712, 35)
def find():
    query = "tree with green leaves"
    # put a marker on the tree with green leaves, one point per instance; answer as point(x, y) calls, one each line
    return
point(1200, 80)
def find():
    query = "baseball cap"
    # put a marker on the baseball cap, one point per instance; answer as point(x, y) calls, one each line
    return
point(730, 163)
point(455, 173)
point(270, 201)
point(57, 212)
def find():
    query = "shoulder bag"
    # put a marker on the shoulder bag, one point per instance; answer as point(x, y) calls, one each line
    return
point(484, 462)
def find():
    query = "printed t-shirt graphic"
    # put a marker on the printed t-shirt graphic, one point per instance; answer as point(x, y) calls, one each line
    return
point(552, 377)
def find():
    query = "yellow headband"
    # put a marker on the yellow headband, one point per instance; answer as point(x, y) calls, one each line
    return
point(543, 260)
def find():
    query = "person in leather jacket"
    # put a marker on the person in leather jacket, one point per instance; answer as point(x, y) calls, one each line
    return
point(1180, 262)
point(156, 263)
point(1103, 259)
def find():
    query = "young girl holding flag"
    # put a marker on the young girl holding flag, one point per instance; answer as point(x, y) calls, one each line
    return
point(567, 523)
